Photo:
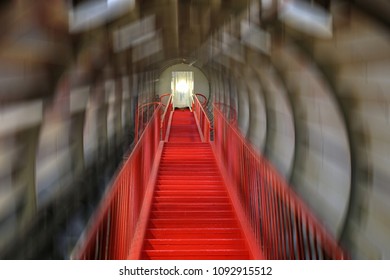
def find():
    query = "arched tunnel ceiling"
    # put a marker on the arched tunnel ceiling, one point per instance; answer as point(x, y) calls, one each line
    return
point(183, 26)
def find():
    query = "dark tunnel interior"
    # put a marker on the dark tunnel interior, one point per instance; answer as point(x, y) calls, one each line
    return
point(306, 83)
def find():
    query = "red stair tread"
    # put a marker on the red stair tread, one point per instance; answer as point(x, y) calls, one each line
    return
point(191, 188)
point(191, 233)
point(189, 181)
point(188, 244)
point(192, 214)
point(188, 206)
point(191, 193)
point(192, 223)
point(196, 199)
point(206, 254)
point(191, 257)
point(188, 173)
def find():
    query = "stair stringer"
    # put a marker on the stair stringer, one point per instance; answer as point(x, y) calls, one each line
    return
point(139, 235)
point(168, 132)
point(253, 247)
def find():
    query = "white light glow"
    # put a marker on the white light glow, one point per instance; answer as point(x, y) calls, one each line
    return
point(182, 86)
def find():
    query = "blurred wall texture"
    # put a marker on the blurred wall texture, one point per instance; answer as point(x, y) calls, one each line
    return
point(307, 83)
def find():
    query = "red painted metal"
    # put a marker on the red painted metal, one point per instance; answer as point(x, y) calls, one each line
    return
point(163, 96)
point(184, 127)
point(191, 215)
point(284, 227)
point(228, 111)
point(112, 230)
point(142, 117)
point(204, 99)
point(166, 117)
point(202, 120)
point(185, 207)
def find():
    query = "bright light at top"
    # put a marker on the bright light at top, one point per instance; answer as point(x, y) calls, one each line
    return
point(182, 86)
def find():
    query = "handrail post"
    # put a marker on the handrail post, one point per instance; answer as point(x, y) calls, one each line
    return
point(202, 119)
point(165, 118)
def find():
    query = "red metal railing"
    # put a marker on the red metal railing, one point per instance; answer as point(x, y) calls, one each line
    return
point(282, 224)
point(204, 99)
point(163, 96)
point(113, 228)
point(165, 118)
point(202, 119)
point(228, 111)
point(143, 115)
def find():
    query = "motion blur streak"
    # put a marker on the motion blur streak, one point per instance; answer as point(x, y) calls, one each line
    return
point(306, 83)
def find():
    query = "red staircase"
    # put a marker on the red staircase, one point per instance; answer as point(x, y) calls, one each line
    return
point(169, 200)
point(183, 127)
point(191, 215)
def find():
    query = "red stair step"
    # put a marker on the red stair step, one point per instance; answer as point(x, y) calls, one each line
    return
point(185, 182)
point(190, 206)
point(191, 233)
point(188, 244)
point(185, 199)
point(193, 223)
point(189, 173)
point(190, 214)
point(191, 186)
point(191, 193)
point(222, 254)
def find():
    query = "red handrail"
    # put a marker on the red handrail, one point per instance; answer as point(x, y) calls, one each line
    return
point(164, 95)
point(204, 99)
point(283, 226)
point(140, 120)
point(202, 119)
point(114, 225)
point(165, 118)
point(229, 112)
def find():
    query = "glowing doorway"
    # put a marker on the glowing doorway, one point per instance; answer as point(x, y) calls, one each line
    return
point(182, 86)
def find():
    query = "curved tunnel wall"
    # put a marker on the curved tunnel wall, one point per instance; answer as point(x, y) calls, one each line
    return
point(322, 169)
point(280, 122)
